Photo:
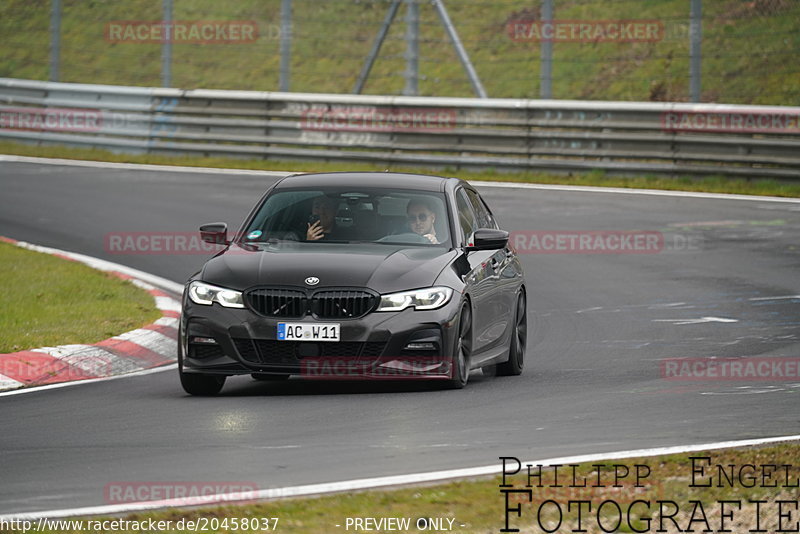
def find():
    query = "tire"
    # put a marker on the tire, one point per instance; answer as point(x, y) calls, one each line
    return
point(202, 385)
point(462, 349)
point(265, 377)
point(519, 339)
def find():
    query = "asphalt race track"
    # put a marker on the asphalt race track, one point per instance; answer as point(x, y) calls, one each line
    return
point(600, 325)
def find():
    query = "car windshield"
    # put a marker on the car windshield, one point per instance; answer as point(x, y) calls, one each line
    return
point(407, 217)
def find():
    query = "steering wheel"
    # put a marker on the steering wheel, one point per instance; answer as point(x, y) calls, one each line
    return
point(405, 237)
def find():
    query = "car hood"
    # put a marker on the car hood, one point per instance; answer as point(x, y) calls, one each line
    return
point(381, 267)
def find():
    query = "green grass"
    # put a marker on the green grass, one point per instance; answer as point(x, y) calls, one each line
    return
point(713, 184)
point(479, 505)
point(749, 49)
point(50, 301)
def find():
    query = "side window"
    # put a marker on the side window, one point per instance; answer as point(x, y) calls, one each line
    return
point(483, 215)
point(491, 218)
point(466, 217)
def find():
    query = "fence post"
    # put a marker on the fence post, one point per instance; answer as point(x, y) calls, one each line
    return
point(477, 86)
point(412, 49)
point(166, 44)
point(286, 44)
point(376, 47)
point(546, 73)
point(695, 58)
point(55, 40)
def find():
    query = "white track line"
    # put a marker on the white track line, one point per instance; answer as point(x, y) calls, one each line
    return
point(104, 265)
point(278, 174)
point(136, 166)
point(631, 191)
point(37, 389)
point(378, 482)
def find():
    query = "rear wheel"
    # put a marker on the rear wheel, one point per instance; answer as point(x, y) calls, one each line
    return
point(462, 349)
point(202, 385)
point(519, 338)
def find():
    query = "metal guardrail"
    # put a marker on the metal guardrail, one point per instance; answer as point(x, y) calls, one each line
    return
point(455, 133)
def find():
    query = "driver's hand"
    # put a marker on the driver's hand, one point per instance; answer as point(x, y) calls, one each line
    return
point(314, 232)
point(431, 238)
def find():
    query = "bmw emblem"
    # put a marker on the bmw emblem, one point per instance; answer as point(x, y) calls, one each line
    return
point(312, 280)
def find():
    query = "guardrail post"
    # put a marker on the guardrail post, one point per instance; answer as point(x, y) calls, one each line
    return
point(55, 40)
point(546, 72)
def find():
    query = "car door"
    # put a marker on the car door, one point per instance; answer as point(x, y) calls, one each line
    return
point(503, 288)
point(480, 281)
point(506, 269)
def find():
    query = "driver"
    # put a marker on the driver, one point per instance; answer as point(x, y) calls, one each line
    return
point(421, 218)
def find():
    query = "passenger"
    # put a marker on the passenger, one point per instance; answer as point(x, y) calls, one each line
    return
point(323, 215)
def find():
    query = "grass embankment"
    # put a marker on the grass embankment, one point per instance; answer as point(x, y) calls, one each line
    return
point(50, 301)
point(712, 184)
point(749, 49)
point(479, 505)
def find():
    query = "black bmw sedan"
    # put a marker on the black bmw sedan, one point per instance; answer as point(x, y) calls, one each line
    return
point(353, 276)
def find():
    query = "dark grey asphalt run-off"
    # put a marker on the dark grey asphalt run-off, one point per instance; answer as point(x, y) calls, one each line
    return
point(600, 324)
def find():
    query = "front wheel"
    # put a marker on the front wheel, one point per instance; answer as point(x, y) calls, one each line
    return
point(519, 338)
point(202, 385)
point(462, 349)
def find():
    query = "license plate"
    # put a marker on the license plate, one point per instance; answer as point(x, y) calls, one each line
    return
point(308, 331)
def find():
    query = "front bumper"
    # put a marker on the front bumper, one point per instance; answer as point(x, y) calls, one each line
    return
point(409, 344)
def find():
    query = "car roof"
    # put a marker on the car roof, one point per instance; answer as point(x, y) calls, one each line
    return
point(395, 180)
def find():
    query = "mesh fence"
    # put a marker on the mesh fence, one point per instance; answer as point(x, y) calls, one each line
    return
point(636, 50)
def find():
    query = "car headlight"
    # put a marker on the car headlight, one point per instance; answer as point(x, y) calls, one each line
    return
point(202, 293)
point(429, 298)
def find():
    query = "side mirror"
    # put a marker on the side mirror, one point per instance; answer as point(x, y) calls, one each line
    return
point(488, 239)
point(216, 233)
